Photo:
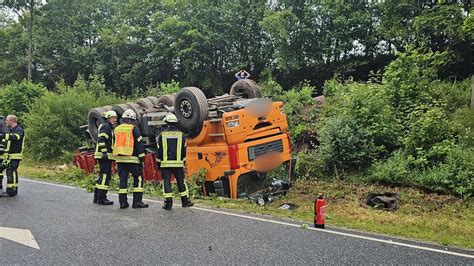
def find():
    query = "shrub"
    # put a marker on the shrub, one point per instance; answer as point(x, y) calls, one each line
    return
point(393, 171)
point(16, 98)
point(344, 146)
point(300, 109)
point(455, 175)
point(270, 88)
point(427, 131)
point(53, 124)
point(163, 88)
point(463, 125)
point(410, 76)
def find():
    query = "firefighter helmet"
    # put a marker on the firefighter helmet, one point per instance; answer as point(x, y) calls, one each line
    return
point(110, 114)
point(170, 119)
point(130, 114)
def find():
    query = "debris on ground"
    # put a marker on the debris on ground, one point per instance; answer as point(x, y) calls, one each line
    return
point(268, 195)
point(387, 201)
point(288, 206)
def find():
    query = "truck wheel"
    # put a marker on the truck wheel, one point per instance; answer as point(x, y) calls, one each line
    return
point(95, 119)
point(153, 100)
point(190, 108)
point(136, 108)
point(246, 88)
point(119, 109)
point(147, 130)
point(167, 99)
point(145, 103)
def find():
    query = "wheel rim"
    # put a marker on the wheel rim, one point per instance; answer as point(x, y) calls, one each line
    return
point(186, 108)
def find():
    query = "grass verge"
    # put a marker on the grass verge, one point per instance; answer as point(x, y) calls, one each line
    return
point(436, 218)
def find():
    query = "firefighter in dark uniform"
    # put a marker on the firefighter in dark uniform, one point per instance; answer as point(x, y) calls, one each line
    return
point(103, 153)
point(129, 154)
point(170, 160)
point(14, 140)
point(3, 146)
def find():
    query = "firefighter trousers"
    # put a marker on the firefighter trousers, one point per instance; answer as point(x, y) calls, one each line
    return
point(124, 169)
point(12, 176)
point(179, 176)
point(103, 181)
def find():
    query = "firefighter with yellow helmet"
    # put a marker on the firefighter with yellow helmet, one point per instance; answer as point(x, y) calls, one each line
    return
point(129, 154)
point(170, 160)
point(103, 153)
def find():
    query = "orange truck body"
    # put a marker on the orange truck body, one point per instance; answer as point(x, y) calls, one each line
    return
point(239, 143)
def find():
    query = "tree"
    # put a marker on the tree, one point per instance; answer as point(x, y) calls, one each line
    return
point(25, 10)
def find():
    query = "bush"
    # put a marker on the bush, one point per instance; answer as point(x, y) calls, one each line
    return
point(455, 95)
point(455, 175)
point(270, 88)
point(345, 146)
point(16, 98)
point(53, 124)
point(463, 125)
point(410, 76)
point(163, 88)
point(299, 108)
point(427, 131)
point(393, 171)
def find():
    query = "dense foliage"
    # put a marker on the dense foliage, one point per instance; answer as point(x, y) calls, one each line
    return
point(139, 43)
point(53, 124)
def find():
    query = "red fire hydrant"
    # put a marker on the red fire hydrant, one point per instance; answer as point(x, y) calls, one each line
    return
point(319, 211)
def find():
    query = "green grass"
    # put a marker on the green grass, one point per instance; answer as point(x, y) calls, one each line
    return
point(436, 218)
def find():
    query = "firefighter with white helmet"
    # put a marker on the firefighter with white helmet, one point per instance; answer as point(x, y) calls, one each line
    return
point(170, 160)
point(103, 153)
point(129, 154)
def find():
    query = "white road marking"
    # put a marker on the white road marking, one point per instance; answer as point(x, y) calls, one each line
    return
point(391, 242)
point(21, 236)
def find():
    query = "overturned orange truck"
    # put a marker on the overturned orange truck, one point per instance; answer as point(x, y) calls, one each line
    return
point(233, 139)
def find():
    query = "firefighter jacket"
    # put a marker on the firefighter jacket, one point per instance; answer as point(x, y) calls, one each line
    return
point(105, 141)
point(15, 141)
point(128, 144)
point(171, 148)
point(3, 147)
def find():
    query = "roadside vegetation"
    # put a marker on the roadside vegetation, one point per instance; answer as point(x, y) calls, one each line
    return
point(396, 113)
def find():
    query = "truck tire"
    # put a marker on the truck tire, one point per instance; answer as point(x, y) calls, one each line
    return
point(153, 100)
point(167, 99)
point(145, 103)
point(119, 109)
point(146, 129)
point(95, 119)
point(246, 88)
point(191, 108)
point(136, 108)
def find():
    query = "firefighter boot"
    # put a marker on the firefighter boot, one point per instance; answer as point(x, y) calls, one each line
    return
point(12, 192)
point(137, 201)
point(168, 204)
point(102, 197)
point(95, 195)
point(185, 202)
point(123, 201)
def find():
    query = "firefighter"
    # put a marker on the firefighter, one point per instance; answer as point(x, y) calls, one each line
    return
point(170, 160)
point(129, 154)
point(14, 141)
point(103, 153)
point(3, 146)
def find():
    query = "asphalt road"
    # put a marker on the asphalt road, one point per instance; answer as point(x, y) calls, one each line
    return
point(69, 229)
